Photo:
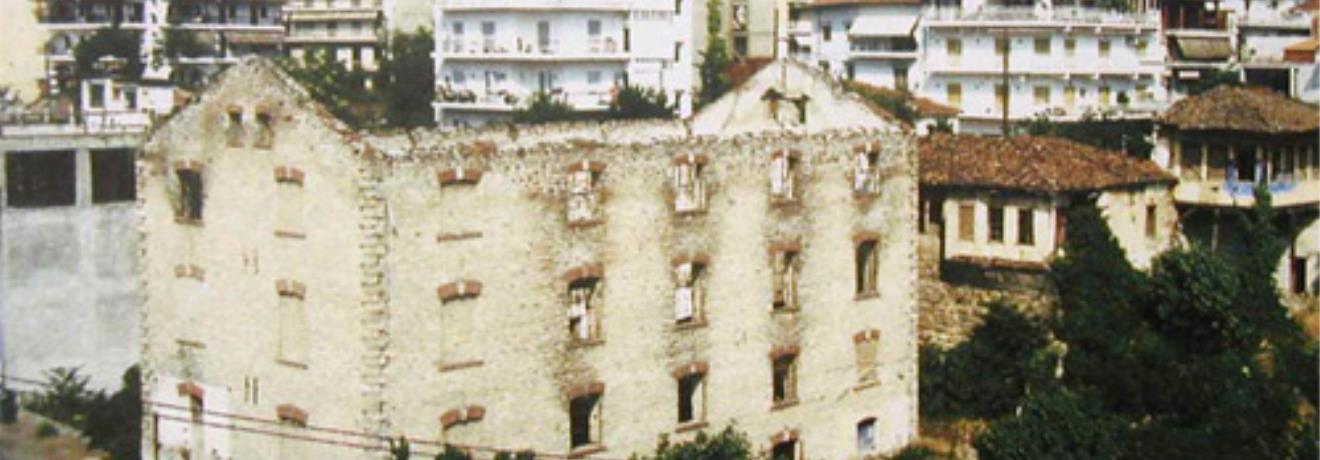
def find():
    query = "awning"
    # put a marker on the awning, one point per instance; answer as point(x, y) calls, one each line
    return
point(1303, 52)
point(254, 38)
point(883, 26)
point(320, 16)
point(1204, 48)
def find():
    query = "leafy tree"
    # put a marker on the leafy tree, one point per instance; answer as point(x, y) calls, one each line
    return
point(66, 398)
point(988, 375)
point(715, 58)
point(342, 91)
point(917, 453)
point(1058, 424)
point(109, 42)
point(1181, 363)
point(635, 102)
point(541, 108)
point(407, 80)
point(728, 444)
point(113, 424)
point(1126, 136)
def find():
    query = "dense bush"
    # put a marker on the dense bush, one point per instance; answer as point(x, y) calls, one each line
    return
point(635, 102)
point(987, 375)
point(110, 423)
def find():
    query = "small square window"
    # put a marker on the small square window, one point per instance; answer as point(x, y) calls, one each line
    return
point(113, 176)
point(1042, 45)
point(40, 179)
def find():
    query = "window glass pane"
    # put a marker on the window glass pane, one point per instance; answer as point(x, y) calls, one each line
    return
point(40, 179)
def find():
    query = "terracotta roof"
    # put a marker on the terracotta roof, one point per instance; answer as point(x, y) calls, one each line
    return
point(1028, 163)
point(825, 3)
point(1231, 108)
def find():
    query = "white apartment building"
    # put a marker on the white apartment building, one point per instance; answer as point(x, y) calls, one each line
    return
point(491, 58)
point(1064, 62)
point(351, 30)
point(183, 43)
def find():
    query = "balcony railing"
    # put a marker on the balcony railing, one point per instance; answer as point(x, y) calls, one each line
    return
point(520, 48)
point(1065, 15)
point(559, 5)
point(509, 99)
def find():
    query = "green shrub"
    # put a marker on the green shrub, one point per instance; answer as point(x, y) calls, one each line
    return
point(46, 430)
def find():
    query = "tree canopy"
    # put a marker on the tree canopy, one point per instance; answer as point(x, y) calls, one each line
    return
point(1195, 359)
point(715, 58)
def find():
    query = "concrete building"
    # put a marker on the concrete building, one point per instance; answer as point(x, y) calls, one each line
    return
point(68, 242)
point(576, 289)
point(491, 58)
point(1275, 45)
point(352, 31)
point(998, 203)
point(1225, 142)
point(1035, 59)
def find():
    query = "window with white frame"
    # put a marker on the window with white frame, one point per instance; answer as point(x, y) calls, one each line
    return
point(866, 174)
point(689, 186)
point(783, 176)
point(583, 321)
point(688, 293)
point(583, 189)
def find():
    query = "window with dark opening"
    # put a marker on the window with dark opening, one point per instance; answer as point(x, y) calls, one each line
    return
point(997, 223)
point(190, 194)
point(1152, 222)
point(1026, 226)
point(867, 266)
point(40, 179)
point(113, 176)
point(1246, 164)
point(265, 132)
point(689, 398)
point(786, 450)
point(584, 415)
point(785, 280)
point(785, 379)
point(866, 436)
point(234, 132)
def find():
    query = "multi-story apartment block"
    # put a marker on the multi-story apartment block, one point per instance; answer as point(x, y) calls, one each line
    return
point(352, 31)
point(202, 37)
point(576, 290)
point(1224, 143)
point(994, 62)
point(1266, 34)
point(491, 58)
point(1199, 37)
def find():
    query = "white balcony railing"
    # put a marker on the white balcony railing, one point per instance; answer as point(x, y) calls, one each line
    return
point(605, 48)
point(1066, 15)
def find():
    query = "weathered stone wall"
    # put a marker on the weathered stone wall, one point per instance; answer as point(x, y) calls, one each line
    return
point(949, 311)
point(507, 350)
point(380, 237)
point(212, 312)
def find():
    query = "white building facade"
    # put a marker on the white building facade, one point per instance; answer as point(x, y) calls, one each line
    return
point(491, 58)
point(352, 31)
point(1064, 62)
